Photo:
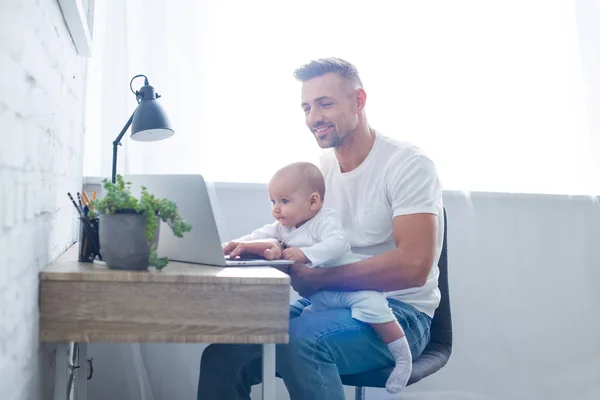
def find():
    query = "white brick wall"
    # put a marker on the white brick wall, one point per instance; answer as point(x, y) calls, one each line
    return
point(41, 147)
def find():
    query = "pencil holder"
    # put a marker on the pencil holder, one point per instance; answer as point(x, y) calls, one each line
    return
point(89, 241)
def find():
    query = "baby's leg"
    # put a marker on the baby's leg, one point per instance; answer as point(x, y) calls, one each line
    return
point(325, 300)
point(372, 307)
point(388, 331)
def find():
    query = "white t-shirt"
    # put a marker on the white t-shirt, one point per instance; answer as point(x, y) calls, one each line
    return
point(322, 238)
point(395, 179)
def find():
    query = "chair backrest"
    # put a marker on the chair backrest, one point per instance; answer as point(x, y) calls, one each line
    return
point(441, 325)
point(436, 353)
point(438, 350)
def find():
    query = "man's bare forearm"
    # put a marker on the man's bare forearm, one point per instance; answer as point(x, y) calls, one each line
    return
point(386, 272)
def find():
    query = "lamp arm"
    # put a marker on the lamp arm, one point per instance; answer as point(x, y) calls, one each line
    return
point(116, 144)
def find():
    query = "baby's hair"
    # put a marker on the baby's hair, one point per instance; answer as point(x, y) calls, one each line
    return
point(307, 174)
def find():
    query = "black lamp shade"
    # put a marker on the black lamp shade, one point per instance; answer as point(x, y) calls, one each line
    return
point(150, 122)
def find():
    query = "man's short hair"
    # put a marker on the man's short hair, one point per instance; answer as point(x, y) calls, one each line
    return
point(323, 66)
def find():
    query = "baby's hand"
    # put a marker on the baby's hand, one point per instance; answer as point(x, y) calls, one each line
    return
point(294, 254)
point(273, 253)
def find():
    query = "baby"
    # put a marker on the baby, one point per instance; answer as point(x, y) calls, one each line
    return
point(314, 235)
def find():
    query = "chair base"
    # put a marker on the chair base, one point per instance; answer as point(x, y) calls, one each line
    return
point(359, 393)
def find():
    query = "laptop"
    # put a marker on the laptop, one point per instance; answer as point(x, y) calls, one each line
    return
point(203, 244)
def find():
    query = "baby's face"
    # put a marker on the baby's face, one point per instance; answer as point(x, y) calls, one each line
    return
point(291, 204)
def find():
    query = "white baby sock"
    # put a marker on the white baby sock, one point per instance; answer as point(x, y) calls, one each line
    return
point(401, 373)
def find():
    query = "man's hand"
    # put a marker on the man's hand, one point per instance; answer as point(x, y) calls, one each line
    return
point(228, 247)
point(271, 250)
point(305, 280)
point(294, 254)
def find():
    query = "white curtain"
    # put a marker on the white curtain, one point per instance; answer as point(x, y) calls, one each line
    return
point(504, 95)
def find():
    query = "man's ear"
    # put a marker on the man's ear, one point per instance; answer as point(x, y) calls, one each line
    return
point(361, 99)
point(315, 201)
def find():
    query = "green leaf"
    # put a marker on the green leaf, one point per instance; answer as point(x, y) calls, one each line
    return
point(118, 197)
point(155, 261)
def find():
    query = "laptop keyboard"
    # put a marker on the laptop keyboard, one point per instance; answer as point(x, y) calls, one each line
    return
point(246, 258)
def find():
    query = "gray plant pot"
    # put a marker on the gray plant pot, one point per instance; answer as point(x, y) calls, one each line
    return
point(123, 242)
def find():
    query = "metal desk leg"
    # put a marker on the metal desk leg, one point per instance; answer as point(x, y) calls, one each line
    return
point(61, 373)
point(268, 372)
point(82, 373)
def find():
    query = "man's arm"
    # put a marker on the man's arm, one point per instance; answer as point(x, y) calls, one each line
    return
point(405, 267)
point(415, 193)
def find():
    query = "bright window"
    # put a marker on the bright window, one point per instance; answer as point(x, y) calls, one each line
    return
point(492, 91)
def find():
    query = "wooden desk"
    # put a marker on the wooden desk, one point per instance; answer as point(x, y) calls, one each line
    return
point(184, 303)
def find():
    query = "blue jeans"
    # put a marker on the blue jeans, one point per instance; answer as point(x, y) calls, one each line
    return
point(323, 345)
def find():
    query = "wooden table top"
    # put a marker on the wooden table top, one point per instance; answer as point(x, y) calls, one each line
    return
point(183, 303)
point(67, 268)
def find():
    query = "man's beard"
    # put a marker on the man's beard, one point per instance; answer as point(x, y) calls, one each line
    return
point(334, 141)
point(337, 141)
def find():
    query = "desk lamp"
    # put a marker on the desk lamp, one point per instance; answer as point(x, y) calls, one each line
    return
point(149, 123)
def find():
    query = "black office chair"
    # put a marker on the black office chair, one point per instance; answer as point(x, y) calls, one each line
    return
point(437, 352)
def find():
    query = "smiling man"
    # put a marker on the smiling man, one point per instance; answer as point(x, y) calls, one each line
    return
point(390, 199)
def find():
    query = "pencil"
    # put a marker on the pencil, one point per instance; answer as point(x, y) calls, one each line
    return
point(79, 210)
point(86, 199)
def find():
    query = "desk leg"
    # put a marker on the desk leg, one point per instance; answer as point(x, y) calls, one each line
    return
point(61, 373)
point(82, 373)
point(268, 372)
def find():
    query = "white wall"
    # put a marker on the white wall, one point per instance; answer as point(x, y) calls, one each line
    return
point(41, 135)
point(523, 281)
point(523, 274)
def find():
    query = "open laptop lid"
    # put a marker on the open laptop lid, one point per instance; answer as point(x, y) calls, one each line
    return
point(203, 244)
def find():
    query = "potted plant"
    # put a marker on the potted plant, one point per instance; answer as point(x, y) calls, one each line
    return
point(129, 227)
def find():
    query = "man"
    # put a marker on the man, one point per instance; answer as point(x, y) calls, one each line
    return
point(390, 200)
